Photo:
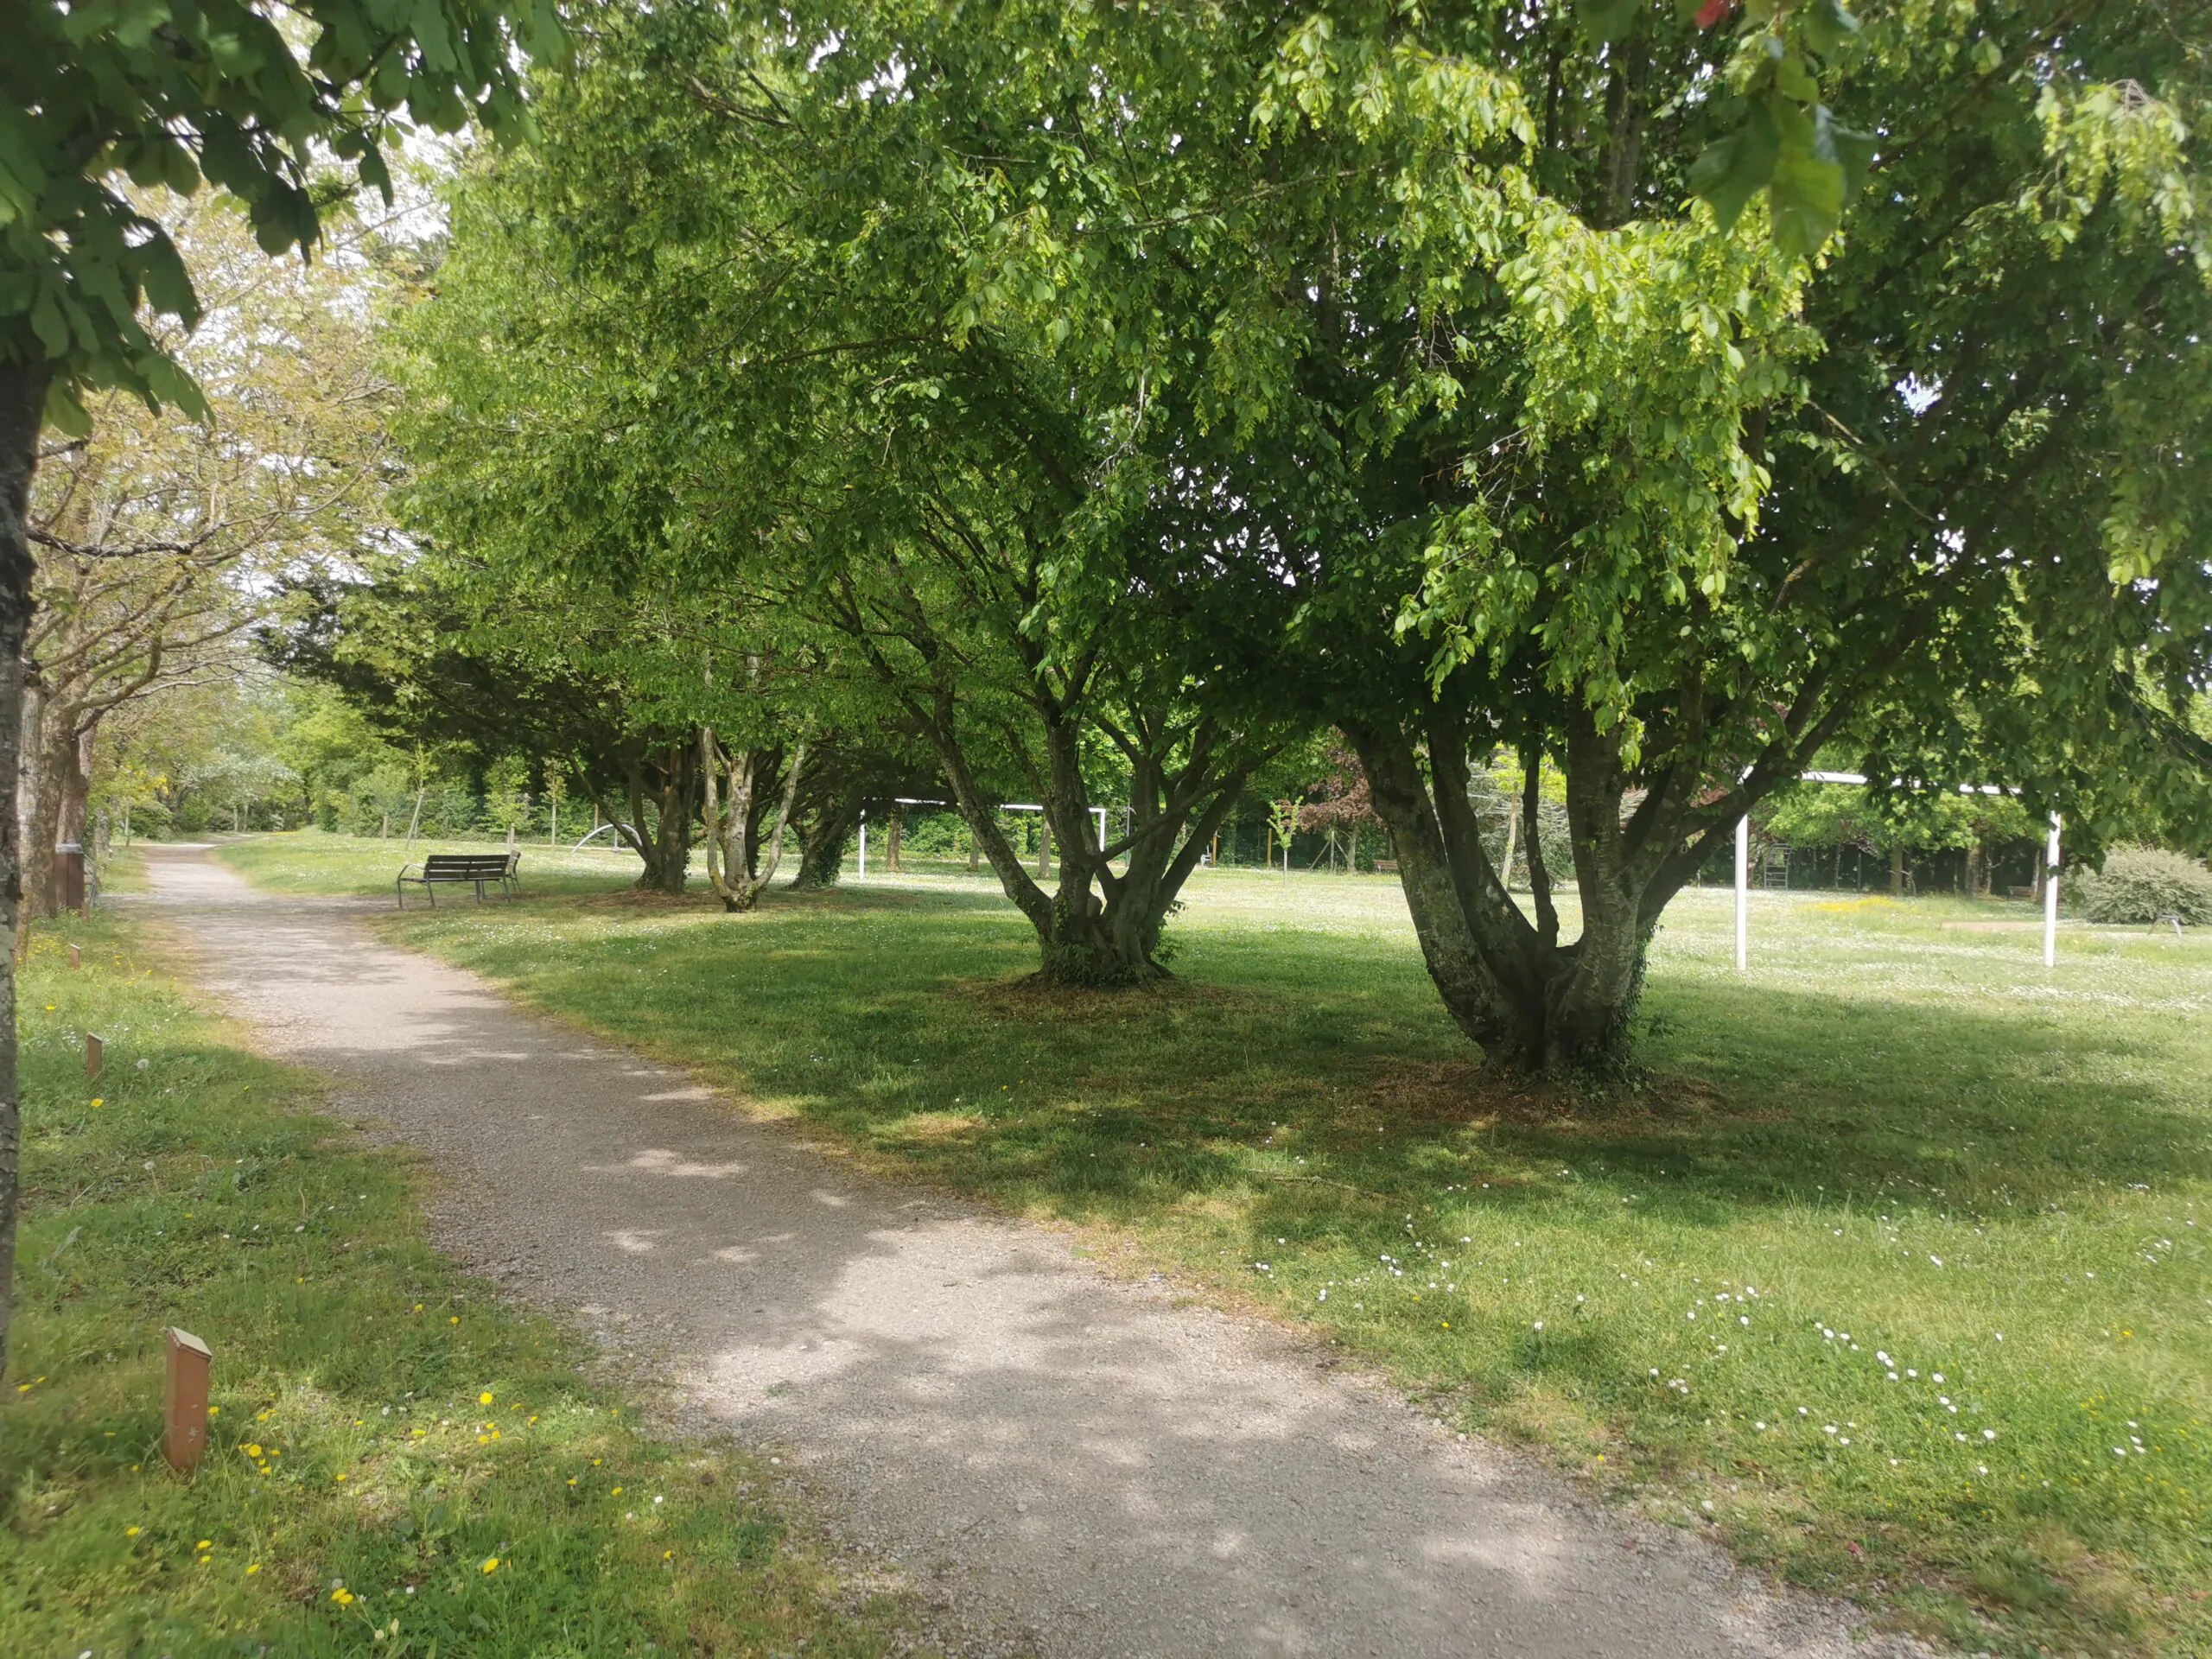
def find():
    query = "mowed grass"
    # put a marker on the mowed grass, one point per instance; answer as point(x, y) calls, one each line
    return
point(364, 866)
point(396, 1464)
point(1894, 1273)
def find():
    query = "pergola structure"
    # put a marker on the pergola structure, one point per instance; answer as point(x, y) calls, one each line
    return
point(1744, 869)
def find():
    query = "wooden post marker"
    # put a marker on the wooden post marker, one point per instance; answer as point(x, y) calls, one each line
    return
point(94, 1051)
point(184, 1414)
point(76, 957)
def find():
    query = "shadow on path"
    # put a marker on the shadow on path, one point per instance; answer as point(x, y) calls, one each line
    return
point(1094, 1469)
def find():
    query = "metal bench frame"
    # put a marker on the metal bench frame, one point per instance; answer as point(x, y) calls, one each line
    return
point(461, 869)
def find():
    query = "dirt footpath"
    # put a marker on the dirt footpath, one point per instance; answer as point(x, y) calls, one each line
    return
point(1060, 1463)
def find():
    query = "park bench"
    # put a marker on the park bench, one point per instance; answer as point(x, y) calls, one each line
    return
point(1386, 867)
point(476, 869)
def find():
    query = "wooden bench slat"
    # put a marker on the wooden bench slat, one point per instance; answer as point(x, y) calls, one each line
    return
point(446, 869)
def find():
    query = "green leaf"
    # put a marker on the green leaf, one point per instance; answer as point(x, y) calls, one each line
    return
point(1850, 149)
point(64, 412)
point(1735, 168)
point(1829, 25)
point(1607, 21)
point(48, 324)
point(179, 171)
point(168, 285)
point(173, 386)
point(1805, 199)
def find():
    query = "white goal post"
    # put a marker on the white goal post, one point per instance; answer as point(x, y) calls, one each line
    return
point(1744, 869)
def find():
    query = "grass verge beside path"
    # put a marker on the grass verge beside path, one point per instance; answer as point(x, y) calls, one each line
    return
point(364, 866)
point(397, 1464)
point(1895, 1274)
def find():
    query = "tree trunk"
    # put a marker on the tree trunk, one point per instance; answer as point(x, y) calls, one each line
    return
point(893, 834)
point(36, 807)
point(1897, 872)
point(665, 778)
point(1512, 831)
point(1100, 927)
point(729, 835)
point(1533, 1004)
point(57, 781)
point(823, 839)
point(1044, 847)
point(22, 403)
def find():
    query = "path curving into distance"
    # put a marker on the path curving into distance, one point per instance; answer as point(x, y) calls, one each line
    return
point(1057, 1463)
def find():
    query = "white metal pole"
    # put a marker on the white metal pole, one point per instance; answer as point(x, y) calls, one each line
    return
point(1743, 892)
point(1099, 812)
point(2050, 899)
point(862, 876)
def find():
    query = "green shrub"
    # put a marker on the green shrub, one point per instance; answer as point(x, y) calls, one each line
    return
point(2147, 884)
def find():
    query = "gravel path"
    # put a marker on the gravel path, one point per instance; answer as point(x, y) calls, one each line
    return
point(1058, 1463)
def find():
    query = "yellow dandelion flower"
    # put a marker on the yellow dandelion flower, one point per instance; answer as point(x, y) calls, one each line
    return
point(485, 1398)
point(617, 1493)
point(253, 1567)
point(490, 1564)
point(130, 1532)
point(341, 1474)
point(204, 1544)
point(342, 1596)
point(253, 1449)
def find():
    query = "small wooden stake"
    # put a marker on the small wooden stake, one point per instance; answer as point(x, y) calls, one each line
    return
point(94, 1049)
point(185, 1411)
point(76, 957)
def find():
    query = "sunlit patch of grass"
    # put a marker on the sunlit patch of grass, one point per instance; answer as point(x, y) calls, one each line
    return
point(395, 1464)
point(1890, 1147)
point(307, 860)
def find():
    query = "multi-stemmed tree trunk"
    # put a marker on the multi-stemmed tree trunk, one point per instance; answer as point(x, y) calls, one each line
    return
point(824, 835)
point(1535, 1002)
point(664, 782)
point(1100, 926)
point(732, 833)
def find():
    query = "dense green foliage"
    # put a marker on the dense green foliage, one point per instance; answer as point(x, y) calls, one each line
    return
point(2147, 884)
point(96, 99)
point(1162, 384)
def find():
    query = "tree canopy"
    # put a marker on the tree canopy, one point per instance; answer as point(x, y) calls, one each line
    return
point(1196, 377)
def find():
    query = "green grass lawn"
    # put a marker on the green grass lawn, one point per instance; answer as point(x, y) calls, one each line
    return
point(397, 1464)
point(1894, 1272)
point(309, 861)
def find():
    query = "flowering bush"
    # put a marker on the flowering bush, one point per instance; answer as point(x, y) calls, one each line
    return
point(2148, 884)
